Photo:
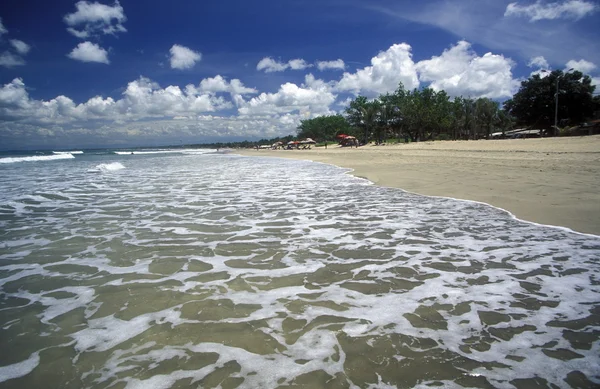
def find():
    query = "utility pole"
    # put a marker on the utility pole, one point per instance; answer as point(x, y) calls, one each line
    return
point(556, 102)
point(556, 108)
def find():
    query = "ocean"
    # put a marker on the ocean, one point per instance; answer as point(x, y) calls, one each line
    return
point(195, 268)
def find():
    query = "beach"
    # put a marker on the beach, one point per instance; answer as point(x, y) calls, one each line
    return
point(551, 181)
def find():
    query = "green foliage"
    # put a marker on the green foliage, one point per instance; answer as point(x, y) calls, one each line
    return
point(323, 127)
point(534, 103)
point(422, 114)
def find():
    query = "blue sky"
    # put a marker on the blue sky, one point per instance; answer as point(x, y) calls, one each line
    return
point(114, 74)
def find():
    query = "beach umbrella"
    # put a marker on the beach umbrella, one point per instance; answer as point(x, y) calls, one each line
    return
point(341, 136)
point(291, 142)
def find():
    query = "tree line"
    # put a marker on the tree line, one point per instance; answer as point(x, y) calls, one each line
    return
point(426, 114)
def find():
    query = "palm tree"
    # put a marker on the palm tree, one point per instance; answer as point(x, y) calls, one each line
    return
point(486, 113)
point(370, 113)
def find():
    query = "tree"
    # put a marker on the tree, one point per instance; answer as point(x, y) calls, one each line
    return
point(486, 112)
point(364, 115)
point(534, 103)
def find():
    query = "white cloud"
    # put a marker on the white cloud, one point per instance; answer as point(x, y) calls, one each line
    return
point(89, 52)
point(183, 58)
point(570, 9)
point(21, 47)
point(270, 65)
point(14, 95)
point(298, 64)
point(145, 98)
point(314, 97)
point(338, 64)
point(582, 65)
point(387, 70)
point(461, 72)
point(481, 22)
point(219, 84)
point(95, 18)
point(538, 62)
point(9, 60)
point(144, 112)
point(3, 29)
point(142, 99)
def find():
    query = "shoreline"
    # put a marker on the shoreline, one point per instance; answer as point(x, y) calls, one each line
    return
point(550, 181)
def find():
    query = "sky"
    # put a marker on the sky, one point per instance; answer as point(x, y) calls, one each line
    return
point(81, 74)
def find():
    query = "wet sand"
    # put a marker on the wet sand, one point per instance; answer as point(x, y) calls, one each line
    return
point(553, 181)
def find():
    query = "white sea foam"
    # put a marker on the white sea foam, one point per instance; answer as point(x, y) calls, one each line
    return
point(109, 167)
point(67, 152)
point(37, 158)
point(166, 151)
point(19, 369)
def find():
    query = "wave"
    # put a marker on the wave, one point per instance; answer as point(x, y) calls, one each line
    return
point(67, 152)
point(179, 151)
point(37, 158)
point(109, 167)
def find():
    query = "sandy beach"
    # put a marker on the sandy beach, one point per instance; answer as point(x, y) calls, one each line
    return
point(553, 181)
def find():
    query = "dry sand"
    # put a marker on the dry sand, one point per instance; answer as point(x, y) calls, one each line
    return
point(552, 181)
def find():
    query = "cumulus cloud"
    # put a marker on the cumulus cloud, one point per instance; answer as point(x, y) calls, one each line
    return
point(3, 29)
point(95, 19)
point(570, 9)
point(313, 97)
point(538, 62)
point(14, 95)
point(183, 58)
point(9, 60)
point(20, 46)
point(141, 99)
point(298, 64)
point(145, 111)
point(338, 64)
point(219, 84)
point(89, 52)
point(145, 98)
point(582, 65)
point(387, 70)
point(270, 65)
point(461, 72)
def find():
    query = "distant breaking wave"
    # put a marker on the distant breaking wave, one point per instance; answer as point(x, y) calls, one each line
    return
point(67, 152)
point(110, 167)
point(37, 158)
point(180, 151)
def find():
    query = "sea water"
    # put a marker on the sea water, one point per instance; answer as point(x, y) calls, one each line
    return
point(186, 268)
